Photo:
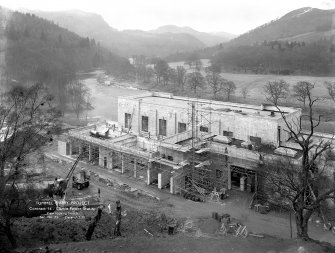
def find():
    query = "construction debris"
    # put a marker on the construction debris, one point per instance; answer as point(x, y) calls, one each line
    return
point(227, 226)
point(241, 231)
point(256, 235)
point(148, 232)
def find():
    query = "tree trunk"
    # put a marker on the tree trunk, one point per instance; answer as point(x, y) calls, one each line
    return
point(302, 225)
point(9, 234)
point(90, 230)
point(2, 170)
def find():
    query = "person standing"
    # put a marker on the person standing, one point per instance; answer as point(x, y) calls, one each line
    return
point(117, 230)
point(99, 192)
point(99, 213)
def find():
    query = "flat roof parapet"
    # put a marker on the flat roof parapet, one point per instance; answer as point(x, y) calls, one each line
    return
point(169, 100)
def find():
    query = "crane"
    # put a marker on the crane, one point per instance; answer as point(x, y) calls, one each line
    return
point(61, 185)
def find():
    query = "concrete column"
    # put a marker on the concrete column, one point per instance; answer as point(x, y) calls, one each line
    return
point(90, 152)
point(156, 123)
point(229, 177)
point(175, 123)
point(62, 148)
point(122, 163)
point(220, 127)
point(139, 117)
point(110, 162)
point(149, 173)
point(71, 147)
point(160, 180)
point(80, 148)
point(135, 167)
point(172, 191)
point(101, 157)
point(256, 183)
point(242, 183)
point(68, 148)
point(163, 179)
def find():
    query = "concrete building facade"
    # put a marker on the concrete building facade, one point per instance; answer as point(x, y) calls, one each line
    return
point(185, 144)
point(239, 121)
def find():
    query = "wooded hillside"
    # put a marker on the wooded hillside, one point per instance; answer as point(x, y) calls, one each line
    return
point(39, 50)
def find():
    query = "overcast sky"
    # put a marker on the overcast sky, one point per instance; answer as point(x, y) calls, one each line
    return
point(234, 16)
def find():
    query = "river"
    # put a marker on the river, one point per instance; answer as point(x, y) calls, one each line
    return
point(104, 98)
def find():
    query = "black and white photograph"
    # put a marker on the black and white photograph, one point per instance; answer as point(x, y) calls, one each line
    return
point(139, 126)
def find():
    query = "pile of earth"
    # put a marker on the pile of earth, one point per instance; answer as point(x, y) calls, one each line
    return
point(32, 232)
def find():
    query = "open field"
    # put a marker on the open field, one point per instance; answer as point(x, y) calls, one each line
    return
point(257, 82)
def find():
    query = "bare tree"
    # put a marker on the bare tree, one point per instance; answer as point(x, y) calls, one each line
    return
point(161, 70)
point(181, 76)
point(214, 80)
point(195, 80)
point(88, 100)
point(245, 92)
point(78, 93)
point(275, 91)
point(301, 89)
point(307, 182)
point(27, 119)
point(148, 74)
point(139, 62)
point(173, 76)
point(229, 88)
point(331, 89)
point(194, 62)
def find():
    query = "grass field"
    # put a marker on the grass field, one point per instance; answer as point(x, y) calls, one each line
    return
point(325, 106)
point(256, 82)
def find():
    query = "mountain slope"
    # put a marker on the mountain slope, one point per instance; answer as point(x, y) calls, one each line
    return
point(305, 24)
point(207, 38)
point(125, 43)
point(85, 24)
point(300, 42)
point(39, 50)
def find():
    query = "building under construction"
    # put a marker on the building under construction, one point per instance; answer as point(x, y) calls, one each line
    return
point(186, 144)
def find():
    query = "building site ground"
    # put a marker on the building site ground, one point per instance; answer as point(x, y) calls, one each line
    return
point(141, 228)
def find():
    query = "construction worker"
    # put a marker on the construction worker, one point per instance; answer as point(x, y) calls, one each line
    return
point(117, 230)
point(99, 213)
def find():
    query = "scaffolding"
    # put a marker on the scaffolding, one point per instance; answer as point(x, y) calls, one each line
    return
point(200, 176)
